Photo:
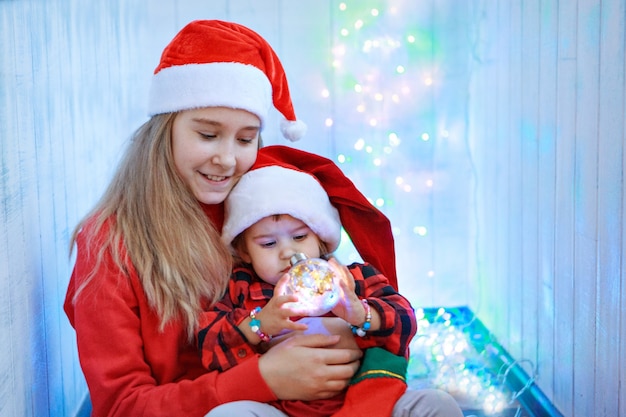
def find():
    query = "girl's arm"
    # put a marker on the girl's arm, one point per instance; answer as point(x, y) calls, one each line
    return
point(131, 366)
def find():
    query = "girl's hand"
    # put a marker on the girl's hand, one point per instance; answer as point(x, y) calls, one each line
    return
point(328, 370)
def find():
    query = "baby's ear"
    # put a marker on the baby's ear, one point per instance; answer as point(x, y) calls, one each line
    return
point(244, 255)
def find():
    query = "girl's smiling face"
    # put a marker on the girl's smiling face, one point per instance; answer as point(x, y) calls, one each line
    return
point(212, 148)
point(272, 241)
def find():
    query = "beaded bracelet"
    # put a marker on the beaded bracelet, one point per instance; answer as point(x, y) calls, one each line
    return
point(360, 331)
point(255, 325)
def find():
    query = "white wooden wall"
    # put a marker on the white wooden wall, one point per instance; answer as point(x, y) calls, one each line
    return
point(530, 224)
point(547, 111)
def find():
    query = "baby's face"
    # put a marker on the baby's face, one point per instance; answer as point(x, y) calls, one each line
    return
point(273, 240)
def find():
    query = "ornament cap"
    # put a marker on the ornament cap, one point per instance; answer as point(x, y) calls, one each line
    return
point(297, 257)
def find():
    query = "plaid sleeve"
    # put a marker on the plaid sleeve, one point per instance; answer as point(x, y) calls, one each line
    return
point(222, 345)
point(398, 323)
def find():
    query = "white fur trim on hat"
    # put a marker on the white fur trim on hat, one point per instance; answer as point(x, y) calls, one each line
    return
point(278, 190)
point(227, 84)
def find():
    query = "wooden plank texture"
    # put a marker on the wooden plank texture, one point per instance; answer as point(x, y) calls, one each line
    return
point(525, 212)
point(610, 156)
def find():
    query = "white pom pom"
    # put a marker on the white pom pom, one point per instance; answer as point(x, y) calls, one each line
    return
point(292, 130)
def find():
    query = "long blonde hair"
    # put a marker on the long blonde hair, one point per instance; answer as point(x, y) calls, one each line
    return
point(173, 246)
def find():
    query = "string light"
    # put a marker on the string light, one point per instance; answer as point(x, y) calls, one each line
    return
point(443, 356)
point(385, 74)
point(394, 140)
point(420, 230)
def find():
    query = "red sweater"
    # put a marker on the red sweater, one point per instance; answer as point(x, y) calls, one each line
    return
point(133, 369)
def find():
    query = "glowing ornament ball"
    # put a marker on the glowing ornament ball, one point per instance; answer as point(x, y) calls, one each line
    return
point(314, 282)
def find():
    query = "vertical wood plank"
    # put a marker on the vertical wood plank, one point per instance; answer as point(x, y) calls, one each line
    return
point(515, 186)
point(586, 200)
point(300, 54)
point(621, 390)
point(528, 125)
point(19, 205)
point(11, 226)
point(452, 169)
point(565, 199)
point(501, 320)
point(610, 155)
point(481, 141)
point(546, 178)
point(502, 123)
point(486, 161)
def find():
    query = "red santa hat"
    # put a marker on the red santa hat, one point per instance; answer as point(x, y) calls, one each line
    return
point(212, 63)
point(312, 188)
point(280, 189)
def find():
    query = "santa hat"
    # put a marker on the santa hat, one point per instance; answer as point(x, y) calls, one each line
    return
point(368, 228)
point(281, 189)
point(212, 63)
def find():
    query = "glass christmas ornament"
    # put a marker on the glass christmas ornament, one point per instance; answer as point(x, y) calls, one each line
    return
point(314, 282)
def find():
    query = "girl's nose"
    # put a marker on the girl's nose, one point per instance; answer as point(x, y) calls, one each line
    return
point(225, 155)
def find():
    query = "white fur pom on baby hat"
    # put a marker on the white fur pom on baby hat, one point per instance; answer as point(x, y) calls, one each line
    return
point(212, 63)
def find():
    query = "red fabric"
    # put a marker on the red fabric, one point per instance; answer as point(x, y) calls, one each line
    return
point(215, 41)
point(131, 368)
point(368, 228)
point(373, 397)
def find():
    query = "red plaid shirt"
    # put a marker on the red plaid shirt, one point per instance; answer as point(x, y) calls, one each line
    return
point(223, 346)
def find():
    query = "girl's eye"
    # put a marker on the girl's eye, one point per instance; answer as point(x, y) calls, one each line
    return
point(268, 244)
point(207, 135)
point(298, 238)
point(246, 140)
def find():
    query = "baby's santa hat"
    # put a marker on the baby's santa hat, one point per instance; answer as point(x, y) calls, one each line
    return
point(312, 188)
point(212, 63)
point(280, 189)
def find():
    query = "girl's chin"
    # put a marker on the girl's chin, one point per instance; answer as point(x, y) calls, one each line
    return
point(211, 198)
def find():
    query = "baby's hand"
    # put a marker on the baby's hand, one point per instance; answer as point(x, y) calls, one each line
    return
point(275, 316)
point(349, 307)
